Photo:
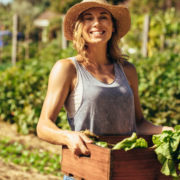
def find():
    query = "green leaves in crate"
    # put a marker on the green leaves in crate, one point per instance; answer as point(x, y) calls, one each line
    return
point(131, 143)
point(168, 151)
point(101, 144)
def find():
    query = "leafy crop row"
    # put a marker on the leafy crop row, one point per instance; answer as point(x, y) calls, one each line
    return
point(45, 162)
point(23, 89)
point(159, 87)
point(24, 86)
point(164, 32)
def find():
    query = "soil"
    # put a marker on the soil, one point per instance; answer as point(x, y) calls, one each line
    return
point(11, 171)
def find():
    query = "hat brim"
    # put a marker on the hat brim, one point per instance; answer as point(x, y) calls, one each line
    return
point(120, 13)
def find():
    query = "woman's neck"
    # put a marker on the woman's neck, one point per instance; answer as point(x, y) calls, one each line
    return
point(97, 53)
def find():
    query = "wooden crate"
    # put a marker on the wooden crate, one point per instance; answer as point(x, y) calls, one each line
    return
point(108, 164)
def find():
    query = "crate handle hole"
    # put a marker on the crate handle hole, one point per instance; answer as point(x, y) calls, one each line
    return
point(82, 155)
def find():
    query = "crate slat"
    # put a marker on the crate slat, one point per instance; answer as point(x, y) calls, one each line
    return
point(71, 175)
point(95, 167)
point(87, 174)
point(87, 161)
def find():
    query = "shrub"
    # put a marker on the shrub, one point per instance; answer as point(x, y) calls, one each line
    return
point(23, 88)
point(159, 87)
point(164, 33)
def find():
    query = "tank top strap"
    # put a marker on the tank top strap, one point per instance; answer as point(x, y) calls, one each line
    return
point(121, 67)
point(75, 62)
point(85, 75)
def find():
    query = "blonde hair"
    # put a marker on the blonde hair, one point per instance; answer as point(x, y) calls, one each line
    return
point(114, 53)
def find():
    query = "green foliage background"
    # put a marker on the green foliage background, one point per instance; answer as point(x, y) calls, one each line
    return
point(159, 87)
point(164, 32)
point(45, 162)
point(23, 87)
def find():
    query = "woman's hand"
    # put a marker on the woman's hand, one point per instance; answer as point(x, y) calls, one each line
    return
point(167, 128)
point(75, 142)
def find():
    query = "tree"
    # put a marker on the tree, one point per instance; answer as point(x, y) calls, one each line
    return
point(5, 24)
point(62, 6)
point(27, 13)
point(116, 2)
point(146, 6)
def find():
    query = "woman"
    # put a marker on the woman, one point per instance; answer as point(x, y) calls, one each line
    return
point(98, 88)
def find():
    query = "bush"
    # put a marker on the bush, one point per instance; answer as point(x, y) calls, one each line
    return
point(164, 33)
point(159, 87)
point(45, 162)
point(24, 86)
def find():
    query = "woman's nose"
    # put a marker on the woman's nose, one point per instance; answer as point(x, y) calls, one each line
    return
point(96, 23)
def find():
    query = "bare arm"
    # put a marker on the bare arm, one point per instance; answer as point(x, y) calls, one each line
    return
point(61, 82)
point(144, 127)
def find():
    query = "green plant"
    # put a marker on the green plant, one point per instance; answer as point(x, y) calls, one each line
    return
point(168, 151)
point(159, 87)
point(153, 6)
point(131, 143)
point(44, 161)
point(164, 33)
point(23, 89)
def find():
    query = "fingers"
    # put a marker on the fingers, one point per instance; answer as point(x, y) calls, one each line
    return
point(76, 143)
point(83, 149)
point(167, 128)
point(79, 148)
point(85, 138)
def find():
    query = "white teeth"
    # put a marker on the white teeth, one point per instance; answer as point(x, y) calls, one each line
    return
point(96, 33)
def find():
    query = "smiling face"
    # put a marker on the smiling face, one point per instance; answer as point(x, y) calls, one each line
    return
point(97, 25)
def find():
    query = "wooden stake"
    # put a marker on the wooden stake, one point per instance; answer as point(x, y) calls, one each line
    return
point(14, 39)
point(144, 49)
point(64, 41)
point(1, 39)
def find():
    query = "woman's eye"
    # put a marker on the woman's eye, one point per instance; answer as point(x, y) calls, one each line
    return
point(89, 18)
point(103, 17)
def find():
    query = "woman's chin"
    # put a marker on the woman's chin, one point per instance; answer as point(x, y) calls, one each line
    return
point(97, 41)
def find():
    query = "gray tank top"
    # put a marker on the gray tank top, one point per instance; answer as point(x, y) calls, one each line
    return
point(106, 109)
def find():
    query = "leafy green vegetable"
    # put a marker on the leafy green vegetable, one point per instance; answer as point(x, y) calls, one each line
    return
point(168, 151)
point(101, 144)
point(131, 143)
point(141, 143)
point(177, 128)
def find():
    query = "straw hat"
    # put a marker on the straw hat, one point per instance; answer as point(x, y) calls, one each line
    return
point(120, 13)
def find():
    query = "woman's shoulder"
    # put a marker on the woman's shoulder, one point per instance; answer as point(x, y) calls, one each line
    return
point(66, 64)
point(129, 68)
point(130, 71)
point(65, 68)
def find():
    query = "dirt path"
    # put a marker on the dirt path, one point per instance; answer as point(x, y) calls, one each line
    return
point(10, 131)
point(11, 171)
